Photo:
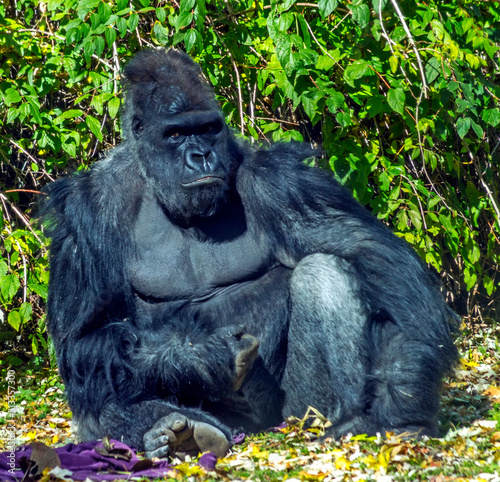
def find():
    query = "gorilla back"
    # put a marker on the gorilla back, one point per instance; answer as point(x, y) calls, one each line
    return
point(200, 286)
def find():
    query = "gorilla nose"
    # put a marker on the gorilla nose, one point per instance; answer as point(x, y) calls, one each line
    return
point(198, 161)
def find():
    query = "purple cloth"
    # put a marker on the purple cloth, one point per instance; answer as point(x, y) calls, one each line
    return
point(83, 461)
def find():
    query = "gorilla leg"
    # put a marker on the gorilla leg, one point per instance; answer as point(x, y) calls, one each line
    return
point(326, 360)
point(363, 372)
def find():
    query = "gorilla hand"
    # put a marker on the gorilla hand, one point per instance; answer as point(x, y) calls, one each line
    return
point(245, 349)
point(178, 436)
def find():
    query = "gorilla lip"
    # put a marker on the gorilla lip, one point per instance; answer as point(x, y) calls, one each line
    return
point(202, 181)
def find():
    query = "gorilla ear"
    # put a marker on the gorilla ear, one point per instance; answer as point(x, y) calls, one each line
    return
point(137, 126)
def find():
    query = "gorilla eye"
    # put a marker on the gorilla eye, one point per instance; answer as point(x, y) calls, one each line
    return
point(210, 128)
point(172, 134)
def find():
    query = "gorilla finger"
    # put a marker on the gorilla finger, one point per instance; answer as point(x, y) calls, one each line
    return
point(153, 444)
point(159, 453)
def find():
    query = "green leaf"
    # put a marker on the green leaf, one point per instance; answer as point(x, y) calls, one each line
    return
point(325, 62)
point(95, 126)
point(4, 267)
point(69, 114)
point(374, 105)
point(393, 63)
point(161, 33)
point(113, 107)
point(326, 7)
point(187, 5)
point(25, 312)
point(161, 14)
point(355, 71)
point(343, 118)
point(477, 129)
point(121, 25)
point(99, 45)
point(492, 116)
point(416, 219)
point(360, 13)
point(467, 24)
point(69, 147)
point(438, 29)
point(183, 20)
point(489, 285)
point(432, 69)
point(14, 320)
point(189, 39)
point(470, 278)
point(379, 5)
point(335, 101)
point(9, 285)
point(12, 96)
point(284, 52)
point(463, 126)
point(40, 290)
point(133, 22)
point(110, 35)
point(396, 99)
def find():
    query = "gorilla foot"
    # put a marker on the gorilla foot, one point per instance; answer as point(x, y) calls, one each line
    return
point(175, 435)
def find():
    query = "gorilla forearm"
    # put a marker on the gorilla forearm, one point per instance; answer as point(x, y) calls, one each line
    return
point(157, 362)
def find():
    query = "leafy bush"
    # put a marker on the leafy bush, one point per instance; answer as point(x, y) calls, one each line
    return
point(403, 96)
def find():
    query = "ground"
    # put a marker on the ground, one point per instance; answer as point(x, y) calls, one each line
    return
point(469, 450)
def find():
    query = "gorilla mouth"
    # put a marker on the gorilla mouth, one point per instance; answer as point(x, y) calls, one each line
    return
point(202, 181)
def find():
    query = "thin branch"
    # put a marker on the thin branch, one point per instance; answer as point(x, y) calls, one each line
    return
point(486, 188)
point(420, 207)
point(116, 69)
point(240, 96)
point(24, 151)
point(331, 30)
point(413, 45)
point(21, 217)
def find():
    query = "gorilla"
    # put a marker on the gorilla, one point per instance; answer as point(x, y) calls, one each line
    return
point(201, 286)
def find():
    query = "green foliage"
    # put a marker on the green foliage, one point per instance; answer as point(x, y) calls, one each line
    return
point(422, 155)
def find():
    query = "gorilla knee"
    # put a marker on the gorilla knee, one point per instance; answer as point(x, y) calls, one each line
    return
point(325, 282)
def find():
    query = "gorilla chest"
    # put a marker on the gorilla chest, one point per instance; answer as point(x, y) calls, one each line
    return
point(172, 263)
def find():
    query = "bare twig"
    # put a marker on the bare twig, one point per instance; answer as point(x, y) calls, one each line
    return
point(240, 96)
point(20, 215)
point(413, 45)
point(116, 69)
point(420, 207)
point(486, 188)
point(331, 30)
point(24, 151)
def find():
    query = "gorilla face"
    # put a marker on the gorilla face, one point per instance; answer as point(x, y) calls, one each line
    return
point(182, 141)
point(186, 160)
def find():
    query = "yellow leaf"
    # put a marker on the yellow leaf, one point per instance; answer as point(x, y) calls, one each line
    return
point(470, 364)
point(342, 463)
point(189, 470)
point(384, 457)
point(55, 439)
point(493, 392)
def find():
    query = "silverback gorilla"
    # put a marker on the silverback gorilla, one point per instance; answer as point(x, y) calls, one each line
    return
point(200, 286)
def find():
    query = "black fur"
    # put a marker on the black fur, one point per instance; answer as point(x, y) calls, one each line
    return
point(183, 239)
